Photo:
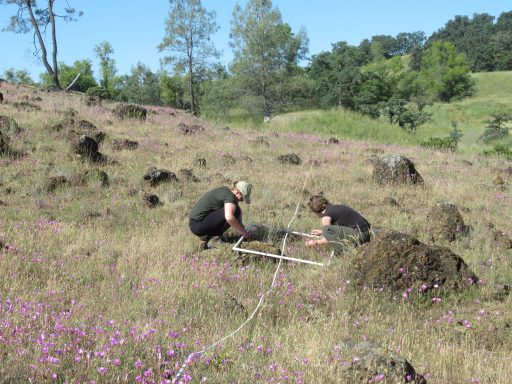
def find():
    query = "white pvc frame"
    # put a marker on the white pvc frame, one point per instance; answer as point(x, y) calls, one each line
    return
point(236, 247)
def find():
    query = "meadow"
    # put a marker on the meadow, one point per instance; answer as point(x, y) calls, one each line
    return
point(97, 287)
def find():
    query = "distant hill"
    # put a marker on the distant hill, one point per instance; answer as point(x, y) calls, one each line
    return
point(493, 94)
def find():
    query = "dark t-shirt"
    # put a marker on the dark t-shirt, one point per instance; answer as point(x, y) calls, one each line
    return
point(346, 217)
point(211, 201)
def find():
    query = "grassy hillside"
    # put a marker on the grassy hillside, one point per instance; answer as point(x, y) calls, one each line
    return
point(96, 286)
point(492, 95)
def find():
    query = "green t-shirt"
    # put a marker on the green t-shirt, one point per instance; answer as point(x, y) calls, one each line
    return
point(211, 201)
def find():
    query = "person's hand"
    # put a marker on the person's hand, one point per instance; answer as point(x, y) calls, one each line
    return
point(316, 232)
point(311, 243)
point(247, 235)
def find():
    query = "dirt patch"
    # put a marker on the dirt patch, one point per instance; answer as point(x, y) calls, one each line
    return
point(397, 262)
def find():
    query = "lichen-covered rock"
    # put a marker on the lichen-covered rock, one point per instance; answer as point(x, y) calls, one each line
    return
point(9, 126)
point(445, 222)
point(88, 148)
point(392, 168)
point(369, 363)
point(397, 262)
point(4, 144)
point(290, 158)
point(130, 111)
point(156, 176)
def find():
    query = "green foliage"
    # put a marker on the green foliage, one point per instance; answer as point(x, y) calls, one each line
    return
point(441, 143)
point(497, 128)
point(141, 86)
point(67, 74)
point(487, 45)
point(500, 150)
point(265, 51)
point(108, 68)
point(444, 74)
point(98, 92)
point(18, 76)
point(172, 91)
point(187, 37)
point(30, 16)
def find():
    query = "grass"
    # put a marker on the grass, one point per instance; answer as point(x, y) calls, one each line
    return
point(125, 296)
point(491, 96)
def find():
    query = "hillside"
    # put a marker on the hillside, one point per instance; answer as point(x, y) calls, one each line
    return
point(100, 283)
point(492, 95)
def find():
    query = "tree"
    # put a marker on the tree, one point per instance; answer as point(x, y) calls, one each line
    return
point(188, 30)
point(18, 76)
point(141, 86)
point(444, 73)
point(67, 74)
point(108, 68)
point(265, 50)
point(31, 17)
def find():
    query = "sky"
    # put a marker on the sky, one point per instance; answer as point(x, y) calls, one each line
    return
point(135, 28)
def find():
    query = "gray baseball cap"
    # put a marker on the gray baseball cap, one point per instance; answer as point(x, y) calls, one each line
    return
point(245, 188)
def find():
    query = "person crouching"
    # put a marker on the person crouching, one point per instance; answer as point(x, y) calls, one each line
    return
point(219, 209)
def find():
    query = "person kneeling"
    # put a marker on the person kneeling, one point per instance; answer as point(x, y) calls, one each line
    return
point(341, 225)
point(219, 209)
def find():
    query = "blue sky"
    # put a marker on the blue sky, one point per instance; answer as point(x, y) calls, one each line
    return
point(135, 28)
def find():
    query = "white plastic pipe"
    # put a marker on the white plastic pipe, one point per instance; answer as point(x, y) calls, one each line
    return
point(244, 250)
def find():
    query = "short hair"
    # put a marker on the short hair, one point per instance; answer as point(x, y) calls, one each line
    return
point(318, 203)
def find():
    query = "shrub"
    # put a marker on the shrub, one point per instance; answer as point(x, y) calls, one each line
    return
point(98, 92)
point(500, 150)
point(441, 143)
point(496, 129)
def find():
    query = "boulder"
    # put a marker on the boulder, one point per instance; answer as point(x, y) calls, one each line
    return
point(397, 262)
point(392, 168)
point(290, 158)
point(130, 111)
point(156, 176)
point(445, 222)
point(370, 363)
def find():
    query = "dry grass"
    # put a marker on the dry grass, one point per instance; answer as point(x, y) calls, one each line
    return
point(123, 295)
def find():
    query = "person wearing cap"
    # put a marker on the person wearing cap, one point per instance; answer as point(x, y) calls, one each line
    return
point(219, 209)
point(341, 225)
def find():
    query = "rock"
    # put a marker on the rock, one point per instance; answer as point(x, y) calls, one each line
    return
point(371, 363)
point(290, 158)
point(391, 201)
point(151, 200)
point(398, 263)
point(502, 240)
point(4, 144)
point(125, 144)
point(9, 126)
point(190, 129)
point(392, 168)
point(130, 111)
point(54, 182)
point(445, 222)
point(157, 176)
point(87, 147)
point(200, 162)
point(188, 175)
point(84, 124)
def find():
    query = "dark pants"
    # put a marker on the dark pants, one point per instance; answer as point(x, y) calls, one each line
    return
point(214, 224)
point(341, 238)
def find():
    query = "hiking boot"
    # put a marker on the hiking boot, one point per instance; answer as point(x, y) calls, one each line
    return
point(214, 240)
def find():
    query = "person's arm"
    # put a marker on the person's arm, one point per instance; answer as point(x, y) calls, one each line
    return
point(229, 214)
point(326, 220)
